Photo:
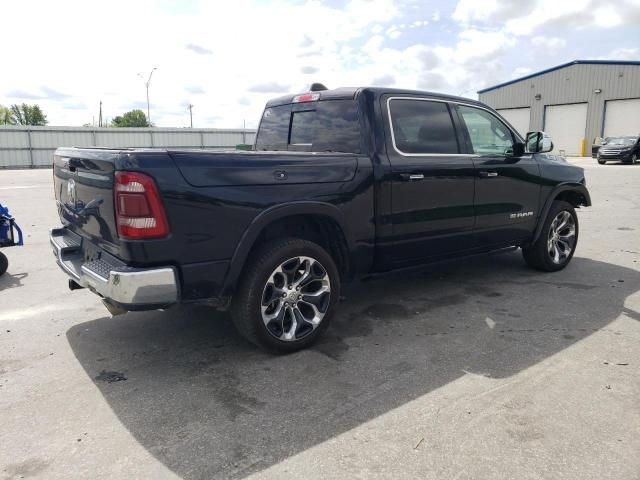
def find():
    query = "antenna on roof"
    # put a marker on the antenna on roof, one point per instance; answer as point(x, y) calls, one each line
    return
point(317, 87)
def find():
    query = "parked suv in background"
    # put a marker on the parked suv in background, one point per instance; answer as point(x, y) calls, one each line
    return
point(343, 183)
point(625, 149)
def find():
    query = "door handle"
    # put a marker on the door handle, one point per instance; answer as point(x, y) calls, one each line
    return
point(485, 174)
point(411, 177)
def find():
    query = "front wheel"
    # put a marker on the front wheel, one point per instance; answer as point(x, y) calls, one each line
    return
point(634, 158)
point(558, 240)
point(287, 295)
point(601, 162)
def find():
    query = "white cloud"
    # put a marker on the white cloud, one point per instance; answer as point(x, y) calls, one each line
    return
point(624, 54)
point(199, 49)
point(472, 62)
point(521, 72)
point(607, 16)
point(384, 81)
point(393, 33)
point(194, 89)
point(468, 11)
point(550, 43)
point(478, 43)
point(527, 17)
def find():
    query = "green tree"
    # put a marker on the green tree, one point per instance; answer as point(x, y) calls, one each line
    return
point(134, 118)
point(28, 115)
point(5, 116)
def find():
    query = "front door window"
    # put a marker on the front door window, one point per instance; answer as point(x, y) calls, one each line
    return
point(488, 135)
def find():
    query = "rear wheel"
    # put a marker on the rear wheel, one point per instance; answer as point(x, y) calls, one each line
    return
point(4, 263)
point(287, 295)
point(558, 240)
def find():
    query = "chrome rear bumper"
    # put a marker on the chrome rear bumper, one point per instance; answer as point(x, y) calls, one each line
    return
point(131, 288)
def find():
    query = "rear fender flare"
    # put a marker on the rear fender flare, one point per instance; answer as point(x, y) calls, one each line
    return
point(269, 216)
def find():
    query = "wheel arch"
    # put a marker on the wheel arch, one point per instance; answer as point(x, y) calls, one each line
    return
point(322, 219)
point(574, 193)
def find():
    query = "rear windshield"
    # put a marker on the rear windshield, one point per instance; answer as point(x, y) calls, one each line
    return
point(329, 126)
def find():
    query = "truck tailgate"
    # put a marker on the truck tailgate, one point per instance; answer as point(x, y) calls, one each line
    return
point(83, 184)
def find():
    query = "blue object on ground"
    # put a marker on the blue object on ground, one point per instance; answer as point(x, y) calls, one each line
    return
point(8, 229)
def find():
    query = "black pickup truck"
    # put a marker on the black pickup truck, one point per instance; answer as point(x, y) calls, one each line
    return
point(342, 183)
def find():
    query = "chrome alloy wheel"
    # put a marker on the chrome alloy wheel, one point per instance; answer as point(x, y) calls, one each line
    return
point(562, 237)
point(295, 298)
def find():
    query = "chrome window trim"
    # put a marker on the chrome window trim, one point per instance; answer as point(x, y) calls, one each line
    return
point(423, 99)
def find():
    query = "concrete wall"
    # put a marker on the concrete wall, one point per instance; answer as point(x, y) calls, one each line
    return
point(25, 147)
point(572, 84)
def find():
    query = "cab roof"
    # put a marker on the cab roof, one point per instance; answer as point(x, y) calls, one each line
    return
point(350, 93)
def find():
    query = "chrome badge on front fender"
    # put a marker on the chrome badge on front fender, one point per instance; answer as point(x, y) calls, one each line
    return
point(514, 216)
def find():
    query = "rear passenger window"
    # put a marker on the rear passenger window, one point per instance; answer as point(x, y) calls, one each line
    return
point(422, 126)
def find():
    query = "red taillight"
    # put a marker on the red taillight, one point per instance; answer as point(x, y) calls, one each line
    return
point(139, 211)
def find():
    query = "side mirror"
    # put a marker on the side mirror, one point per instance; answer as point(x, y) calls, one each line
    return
point(538, 142)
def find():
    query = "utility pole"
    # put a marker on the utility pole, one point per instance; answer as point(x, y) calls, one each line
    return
point(191, 114)
point(146, 84)
point(100, 115)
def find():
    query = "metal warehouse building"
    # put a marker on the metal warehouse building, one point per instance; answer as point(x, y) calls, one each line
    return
point(575, 103)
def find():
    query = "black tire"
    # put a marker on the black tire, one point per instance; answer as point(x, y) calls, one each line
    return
point(4, 263)
point(538, 254)
point(601, 162)
point(634, 158)
point(248, 299)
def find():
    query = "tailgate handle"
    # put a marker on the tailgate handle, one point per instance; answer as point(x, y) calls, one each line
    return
point(411, 177)
point(73, 164)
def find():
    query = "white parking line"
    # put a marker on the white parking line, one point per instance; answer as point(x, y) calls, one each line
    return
point(17, 187)
point(22, 313)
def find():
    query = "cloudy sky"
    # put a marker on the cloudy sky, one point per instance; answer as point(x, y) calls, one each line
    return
point(228, 58)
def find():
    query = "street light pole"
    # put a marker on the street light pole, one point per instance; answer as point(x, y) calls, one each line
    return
point(191, 114)
point(146, 84)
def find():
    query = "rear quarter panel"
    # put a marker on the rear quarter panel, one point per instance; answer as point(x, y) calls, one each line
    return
point(208, 222)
